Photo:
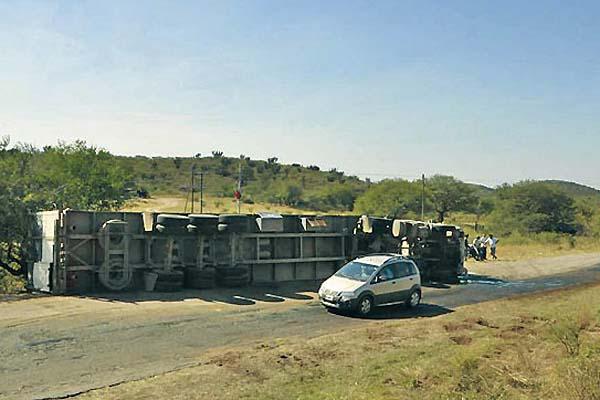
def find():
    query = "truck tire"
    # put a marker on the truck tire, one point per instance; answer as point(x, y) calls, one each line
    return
point(233, 276)
point(381, 225)
point(238, 223)
point(204, 223)
point(233, 281)
point(171, 223)
point(167, 286)
point(222, 227)
point(197, 278)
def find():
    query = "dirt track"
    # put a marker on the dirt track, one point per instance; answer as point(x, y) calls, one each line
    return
point(56, 346)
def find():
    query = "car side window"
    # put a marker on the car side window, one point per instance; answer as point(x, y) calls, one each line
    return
point(403, 269)
point(412, 268)
point(387, 273)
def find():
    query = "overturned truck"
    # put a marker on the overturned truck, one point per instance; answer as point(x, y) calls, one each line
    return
point(90, 251)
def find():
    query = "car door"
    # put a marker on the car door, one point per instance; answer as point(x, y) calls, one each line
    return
point(383, 285)
point(405, 274)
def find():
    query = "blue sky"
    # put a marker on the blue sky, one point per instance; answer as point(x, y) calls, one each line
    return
point(486, 91)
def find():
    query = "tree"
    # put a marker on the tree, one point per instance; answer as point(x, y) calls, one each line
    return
point(588, 215)
point(449, 194)
point(15, 218)
point(217, 154)
point(289, 194)
point(67, 175)
point(533, 207)
point(177, 161)
point(391, 198)
point(79, 176)
point(482, 207)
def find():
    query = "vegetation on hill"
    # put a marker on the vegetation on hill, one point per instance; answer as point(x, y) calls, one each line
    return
point(262, 181)
point(574, 189)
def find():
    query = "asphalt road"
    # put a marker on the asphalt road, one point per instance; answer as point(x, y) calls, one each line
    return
point(56, 347)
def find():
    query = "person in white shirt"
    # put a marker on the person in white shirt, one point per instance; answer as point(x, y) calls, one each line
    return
point(477, 247)
point(492, 242)
point(484, 246)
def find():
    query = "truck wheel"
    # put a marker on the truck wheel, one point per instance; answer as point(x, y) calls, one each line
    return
point(222, 227)
point(238, 223)
point(204, 223)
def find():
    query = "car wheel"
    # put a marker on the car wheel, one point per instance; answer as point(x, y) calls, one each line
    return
point(414, 299)
point(365, 306)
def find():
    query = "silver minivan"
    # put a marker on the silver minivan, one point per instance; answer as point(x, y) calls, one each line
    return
point(371, 281)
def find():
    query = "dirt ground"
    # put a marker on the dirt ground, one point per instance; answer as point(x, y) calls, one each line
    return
point(526, 269)
point(54, 346)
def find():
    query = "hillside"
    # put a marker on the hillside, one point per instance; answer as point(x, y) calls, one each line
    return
point(575, 189)
point(263, 181)
point(269, 182)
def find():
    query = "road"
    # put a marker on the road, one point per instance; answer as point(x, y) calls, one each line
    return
point(53, 347)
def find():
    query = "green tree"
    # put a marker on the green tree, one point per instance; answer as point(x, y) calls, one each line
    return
point(588, 215)
point(68, 175)
point(289, 194)
point(79, 176)
point(533, 207)
point(391, 198)
point(482, 206)
point(449, 194)
point(15, 203)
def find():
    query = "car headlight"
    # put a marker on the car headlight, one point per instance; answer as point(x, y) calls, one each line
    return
point(345, 296)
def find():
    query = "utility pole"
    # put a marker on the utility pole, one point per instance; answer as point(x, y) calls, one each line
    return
point(423, 198)
point(239, 188)
point(193, 173)
point(201, 192)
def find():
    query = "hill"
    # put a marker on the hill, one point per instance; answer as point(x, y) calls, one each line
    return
point(574, 189)
point(269, 182)
point(263, 181)
point(481, 190)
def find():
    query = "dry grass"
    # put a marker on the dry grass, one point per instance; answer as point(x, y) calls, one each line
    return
point(510, 349)
point(531, 249)
point(211, 205)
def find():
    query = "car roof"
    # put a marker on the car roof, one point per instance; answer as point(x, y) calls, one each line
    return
point(378, 259)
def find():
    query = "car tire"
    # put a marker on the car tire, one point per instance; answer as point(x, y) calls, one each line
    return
point(414, 299)
point(364, 306)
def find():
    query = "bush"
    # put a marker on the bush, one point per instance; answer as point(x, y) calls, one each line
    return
point(10, 284)
point(533, 207)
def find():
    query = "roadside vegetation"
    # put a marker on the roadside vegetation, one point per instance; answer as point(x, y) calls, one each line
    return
point(545, 346)
point(531, 218)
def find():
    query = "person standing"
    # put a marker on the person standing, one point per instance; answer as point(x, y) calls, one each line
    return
point(477, 247)
point(493, 242)
point(484, 246)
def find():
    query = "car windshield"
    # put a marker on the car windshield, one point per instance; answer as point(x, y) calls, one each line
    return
point(356, 271)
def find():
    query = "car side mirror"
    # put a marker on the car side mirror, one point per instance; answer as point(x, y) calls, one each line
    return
point(378, 279)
